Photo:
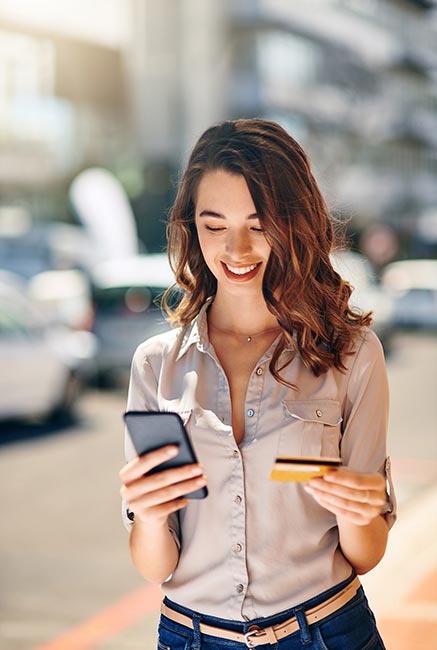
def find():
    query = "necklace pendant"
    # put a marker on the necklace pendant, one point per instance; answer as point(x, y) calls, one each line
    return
point(249, 338)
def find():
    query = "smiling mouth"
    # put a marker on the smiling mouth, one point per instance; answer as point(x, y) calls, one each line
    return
point(241, 272)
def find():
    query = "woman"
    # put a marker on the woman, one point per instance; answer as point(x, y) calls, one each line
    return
point(268, 360)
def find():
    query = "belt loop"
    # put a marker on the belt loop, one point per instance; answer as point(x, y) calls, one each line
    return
point(196, 645)
point(305, 633)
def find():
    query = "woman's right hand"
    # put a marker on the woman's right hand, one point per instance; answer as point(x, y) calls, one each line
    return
point(154, 497)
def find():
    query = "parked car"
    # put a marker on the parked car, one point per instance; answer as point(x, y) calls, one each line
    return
point(125, 294)
point(43, 366)
point(44, 246)
point(64, 297)
point(413, 286)
point(368, 295)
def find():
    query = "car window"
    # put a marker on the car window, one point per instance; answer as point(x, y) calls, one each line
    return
point(24, 258)
point(11, 326)
point(133, 300)
point(422, 294)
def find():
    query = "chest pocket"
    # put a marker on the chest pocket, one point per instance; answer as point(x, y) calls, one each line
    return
point(311, 428)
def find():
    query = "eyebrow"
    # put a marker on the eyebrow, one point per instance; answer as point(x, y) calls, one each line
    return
point(218, 215)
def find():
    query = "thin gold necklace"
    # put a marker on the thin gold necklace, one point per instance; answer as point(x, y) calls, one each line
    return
point(248, 337)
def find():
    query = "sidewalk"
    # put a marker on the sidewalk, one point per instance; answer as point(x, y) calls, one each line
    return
point(402, 590)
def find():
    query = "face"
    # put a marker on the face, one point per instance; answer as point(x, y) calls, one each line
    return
point(230, 233)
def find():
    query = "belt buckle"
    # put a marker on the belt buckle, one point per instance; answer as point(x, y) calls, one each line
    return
point(252, 631)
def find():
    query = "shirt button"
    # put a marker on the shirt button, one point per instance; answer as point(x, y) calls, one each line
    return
point(235, 453)
point(238, 499)
point(238, 548)
point(259, 371)
point(240, 589)
point(250, 413)
point(319, 413)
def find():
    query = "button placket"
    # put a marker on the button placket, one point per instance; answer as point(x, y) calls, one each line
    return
point(223, 397)
point(237, 537)
point(253, 404)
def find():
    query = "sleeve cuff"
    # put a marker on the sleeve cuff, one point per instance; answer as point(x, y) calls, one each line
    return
point(389, 510)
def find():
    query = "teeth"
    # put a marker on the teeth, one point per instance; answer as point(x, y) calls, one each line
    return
point(241, 270)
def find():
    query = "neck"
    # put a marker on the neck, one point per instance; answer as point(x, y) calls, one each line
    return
point(241, 315)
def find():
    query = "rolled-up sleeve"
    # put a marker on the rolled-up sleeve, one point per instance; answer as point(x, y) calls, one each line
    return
point(366, 408)
point(142, 396)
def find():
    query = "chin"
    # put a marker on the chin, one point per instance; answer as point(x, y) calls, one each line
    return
point(235, 289)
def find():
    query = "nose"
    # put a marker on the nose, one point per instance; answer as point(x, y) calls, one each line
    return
point(238, 245)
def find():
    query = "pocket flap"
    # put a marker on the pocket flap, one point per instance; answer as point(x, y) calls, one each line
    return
point(326, 411)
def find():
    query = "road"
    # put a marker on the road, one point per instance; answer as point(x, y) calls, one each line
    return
point(64, 558)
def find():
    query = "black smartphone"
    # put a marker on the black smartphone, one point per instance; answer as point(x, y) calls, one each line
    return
point(151, 430)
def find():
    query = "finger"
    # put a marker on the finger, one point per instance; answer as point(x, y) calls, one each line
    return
point(161, 511)
point(357, 518)
point(153, 482)
point(334, 502)
point(372, 497)
point(166, 494)
point(355, 480)
point(143, 464)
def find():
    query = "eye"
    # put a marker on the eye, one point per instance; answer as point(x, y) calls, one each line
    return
point(212, 229)
point(257, 229)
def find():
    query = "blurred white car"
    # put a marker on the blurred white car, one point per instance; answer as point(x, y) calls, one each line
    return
point(42, 365)
point(368, 295)
point(125, 294)
point(64, 297)
point(413, 286)
point(43, 246)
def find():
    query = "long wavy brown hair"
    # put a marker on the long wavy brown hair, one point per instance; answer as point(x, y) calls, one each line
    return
point(301, 288)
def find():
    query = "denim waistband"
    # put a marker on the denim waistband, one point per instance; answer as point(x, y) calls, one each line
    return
point(275, 619)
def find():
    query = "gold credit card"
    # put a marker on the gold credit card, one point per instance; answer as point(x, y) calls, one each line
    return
point(302, 468)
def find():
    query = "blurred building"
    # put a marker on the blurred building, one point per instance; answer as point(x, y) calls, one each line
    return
point(354, 80)
point(63, 96)
point(130, 85)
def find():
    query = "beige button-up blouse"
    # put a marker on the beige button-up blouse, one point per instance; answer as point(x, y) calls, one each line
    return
point(255, 547)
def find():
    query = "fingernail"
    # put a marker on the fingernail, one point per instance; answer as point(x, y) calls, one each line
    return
point(172, 451)
point(308, 488)
point(196, 470)
point(201, 480)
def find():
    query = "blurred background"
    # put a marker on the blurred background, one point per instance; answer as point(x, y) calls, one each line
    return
point(100, 104)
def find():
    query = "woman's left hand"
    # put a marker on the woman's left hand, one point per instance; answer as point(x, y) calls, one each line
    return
point(350, 495)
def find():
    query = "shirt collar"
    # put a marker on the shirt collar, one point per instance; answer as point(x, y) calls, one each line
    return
point(197, 332)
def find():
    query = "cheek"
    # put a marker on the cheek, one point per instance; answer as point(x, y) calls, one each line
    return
point(265, 249)
point(207, 247)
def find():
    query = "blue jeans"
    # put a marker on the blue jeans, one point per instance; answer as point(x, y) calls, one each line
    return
point(352, 627)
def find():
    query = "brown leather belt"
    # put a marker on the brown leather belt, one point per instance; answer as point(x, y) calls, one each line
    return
point(257, 636)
